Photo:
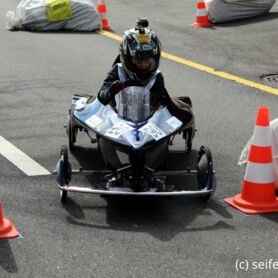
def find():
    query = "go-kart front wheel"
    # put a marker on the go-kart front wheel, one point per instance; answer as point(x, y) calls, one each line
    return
point(63, 196)
point(63, 172)
point(205, 172)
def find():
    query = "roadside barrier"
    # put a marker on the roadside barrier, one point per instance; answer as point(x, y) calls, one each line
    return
point(7, 230)
point(258, 188)
point(201, 19)
point(101, 7)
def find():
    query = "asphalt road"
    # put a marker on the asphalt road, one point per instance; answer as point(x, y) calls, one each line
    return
point(96, 237)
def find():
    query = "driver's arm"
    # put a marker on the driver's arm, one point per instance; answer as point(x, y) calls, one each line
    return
point(110, 87)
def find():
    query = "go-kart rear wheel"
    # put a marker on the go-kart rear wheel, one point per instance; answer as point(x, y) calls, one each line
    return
point(205, 172)
point(72, 132)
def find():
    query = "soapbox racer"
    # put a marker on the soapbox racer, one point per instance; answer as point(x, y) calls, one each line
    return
point(134, 141)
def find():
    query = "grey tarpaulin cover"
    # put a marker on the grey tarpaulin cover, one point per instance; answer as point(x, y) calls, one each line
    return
point(43, 15)
point(230, 10)
point(274, 143)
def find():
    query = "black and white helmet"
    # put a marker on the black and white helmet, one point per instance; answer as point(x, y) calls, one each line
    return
point(140, 43)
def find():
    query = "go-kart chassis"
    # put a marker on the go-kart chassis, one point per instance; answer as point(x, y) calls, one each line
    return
point(156, 181)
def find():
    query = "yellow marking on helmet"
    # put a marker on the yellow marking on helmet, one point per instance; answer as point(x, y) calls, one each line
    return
point(143, 38)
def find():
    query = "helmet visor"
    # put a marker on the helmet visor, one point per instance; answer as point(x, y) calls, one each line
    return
point(143, 63)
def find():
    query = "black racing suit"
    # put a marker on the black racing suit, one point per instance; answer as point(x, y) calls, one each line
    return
point(180, 107)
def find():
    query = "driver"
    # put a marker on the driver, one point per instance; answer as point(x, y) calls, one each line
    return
point(137, 65)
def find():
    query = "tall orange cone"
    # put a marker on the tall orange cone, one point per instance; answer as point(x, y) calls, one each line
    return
point(201, 19)
point(258, 188)
point(101, 7)
point(7, 230)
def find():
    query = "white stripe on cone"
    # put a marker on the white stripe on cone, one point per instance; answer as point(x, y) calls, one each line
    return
point(262, 136)
point(103, 15)
point(201, 12)
point(259, 172)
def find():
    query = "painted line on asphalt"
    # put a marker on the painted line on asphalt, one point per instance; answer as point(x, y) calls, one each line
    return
point(200, 67)
point(20, 159)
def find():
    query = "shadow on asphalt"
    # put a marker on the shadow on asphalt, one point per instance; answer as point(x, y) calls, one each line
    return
point(163, 218)
point(88, 158)
point(7, 262)
point(271, 216)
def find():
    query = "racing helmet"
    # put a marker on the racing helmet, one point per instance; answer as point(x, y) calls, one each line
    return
point(140, 51)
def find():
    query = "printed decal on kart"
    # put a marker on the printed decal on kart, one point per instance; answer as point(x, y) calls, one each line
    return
point(174, 122)
point(93, 121)
point(118, 129)
point(153, 130)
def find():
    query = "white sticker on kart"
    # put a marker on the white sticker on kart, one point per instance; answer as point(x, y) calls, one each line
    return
point(118, 129)
point(174, 122)
point(80, 103)
point(93, 121)
point(153, 130)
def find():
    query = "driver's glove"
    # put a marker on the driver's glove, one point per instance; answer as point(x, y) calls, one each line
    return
point(131, 82)
point(116, 87)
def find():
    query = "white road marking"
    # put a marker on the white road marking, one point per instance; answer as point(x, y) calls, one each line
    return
point(20, 159)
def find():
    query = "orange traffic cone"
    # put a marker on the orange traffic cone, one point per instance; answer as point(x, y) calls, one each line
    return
point(201, 19)
point(101, 7)
point(7, 230)
point(258, 188)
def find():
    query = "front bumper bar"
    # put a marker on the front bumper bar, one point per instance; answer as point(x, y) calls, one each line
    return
point(121, 191)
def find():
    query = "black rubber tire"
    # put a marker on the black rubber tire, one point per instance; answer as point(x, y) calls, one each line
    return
point(67, 164)
point(72, 132)
point(205, 172)
point(63, 172)
point(66, 172)
point(63, 196)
